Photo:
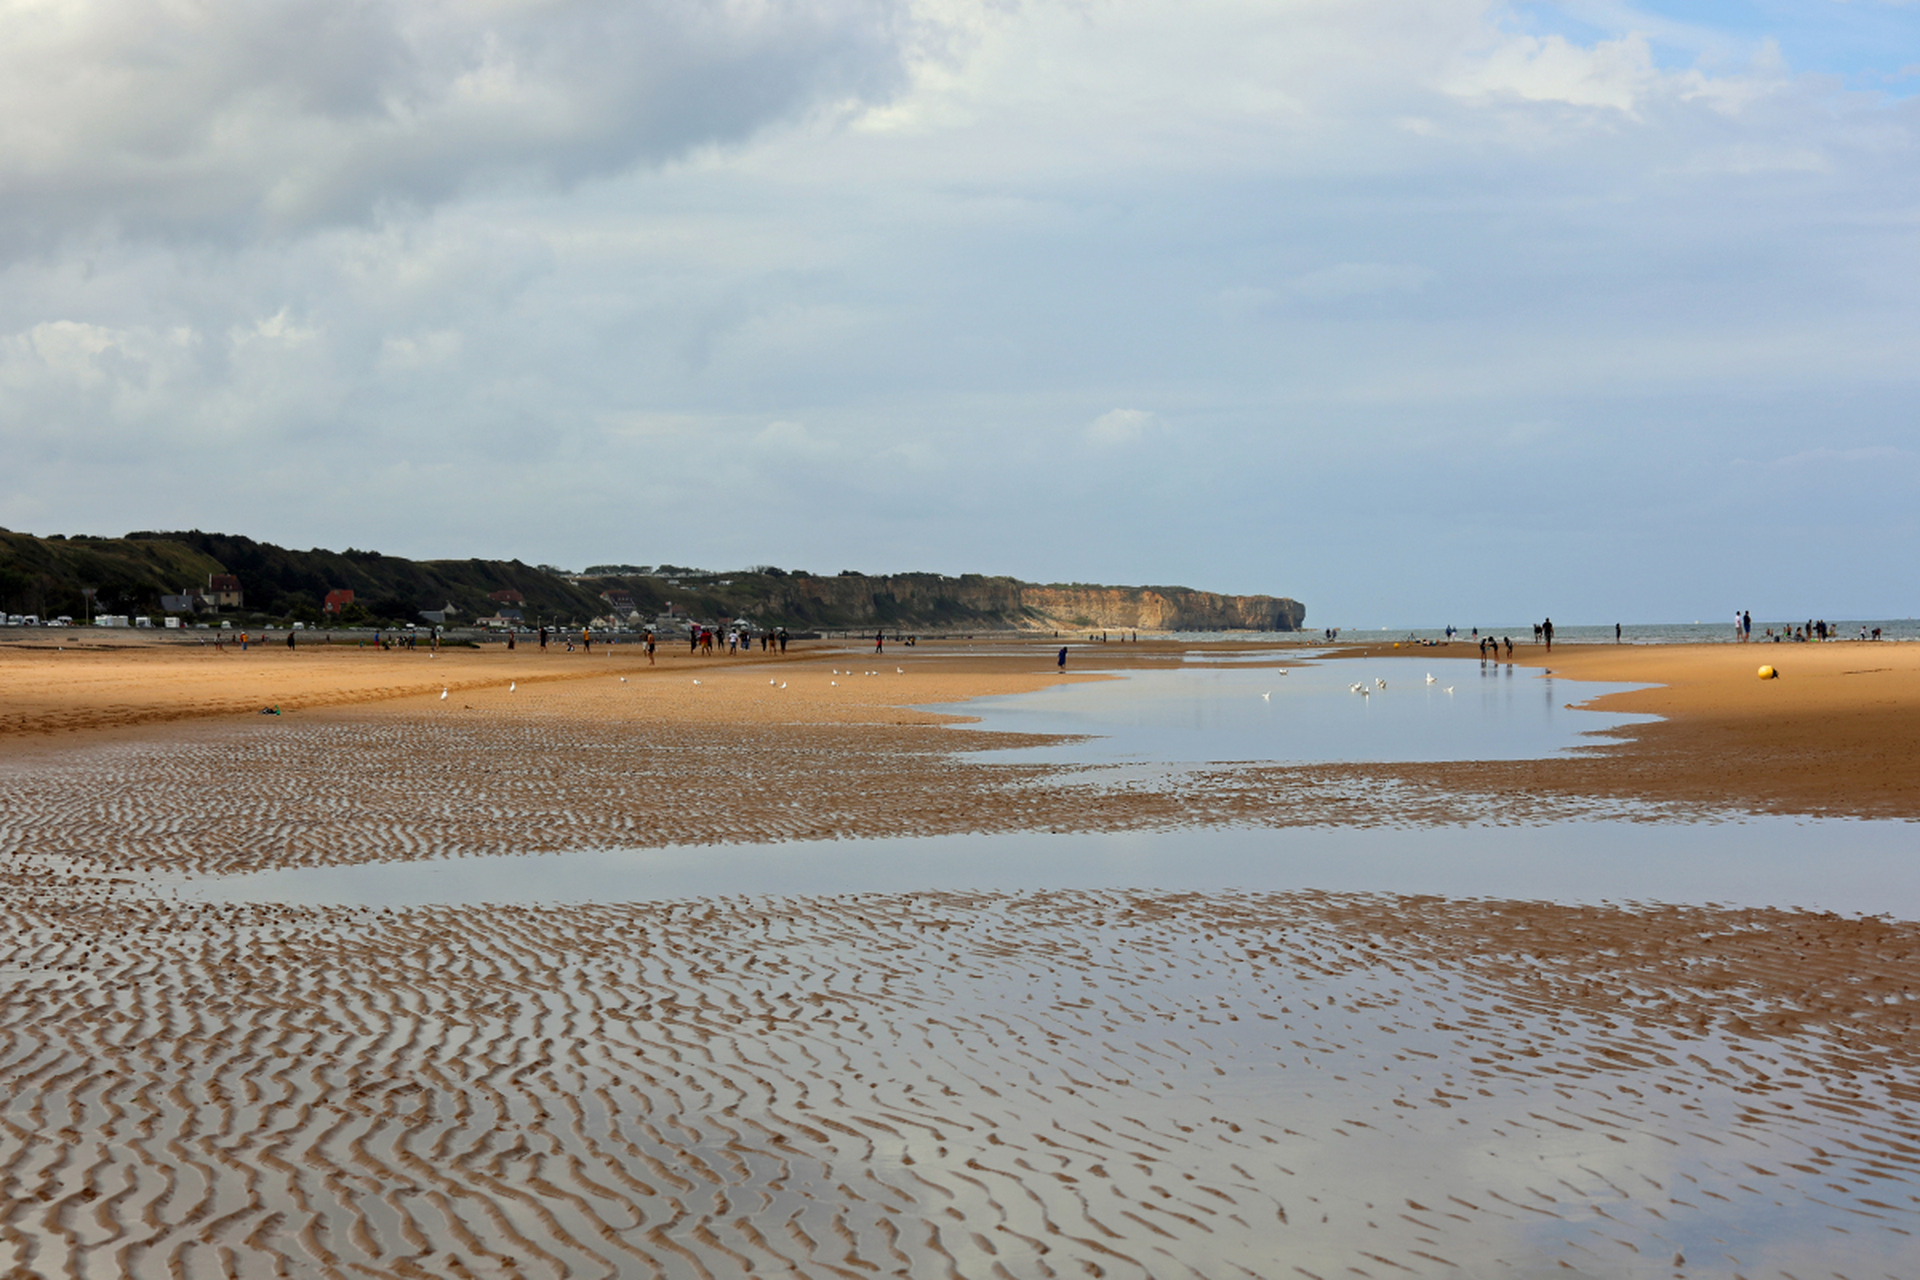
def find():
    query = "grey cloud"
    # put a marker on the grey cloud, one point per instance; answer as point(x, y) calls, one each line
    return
point(229, 121)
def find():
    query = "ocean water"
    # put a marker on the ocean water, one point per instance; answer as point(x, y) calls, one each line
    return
point(1848, 629)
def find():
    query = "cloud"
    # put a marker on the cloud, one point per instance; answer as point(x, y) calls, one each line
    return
point(1611, 73)
point(1118, 428)
point(202, 119)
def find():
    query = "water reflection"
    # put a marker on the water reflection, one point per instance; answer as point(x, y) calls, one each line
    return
point(1863, 867)
point(1443, 709)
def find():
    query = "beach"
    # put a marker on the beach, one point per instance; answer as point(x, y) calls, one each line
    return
point(1117, 1081)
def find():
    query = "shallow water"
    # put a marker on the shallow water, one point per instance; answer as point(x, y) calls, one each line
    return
point(1828, 865)
point(1442, 709)
point(1153, 724)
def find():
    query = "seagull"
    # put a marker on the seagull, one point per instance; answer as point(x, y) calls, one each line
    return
point(1379, 682)
point(1430, 679)
point(900, 671)
point(623, 679)
point(443, 695)
point(1449, 688)
point(512, 685)
point(696, 682)
point(772, 682)
point(834, 683)
point(1267, 696)
point(783, 684)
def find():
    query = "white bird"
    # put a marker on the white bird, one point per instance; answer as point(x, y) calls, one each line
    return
point(772, 682)
point(783, 684)
point(1449, 688)
point(1267, 696)
point(1430, 677)
point(512, 685)
point(623, 679)
point(696, 682)
point(1366, 693)
point(1379, 682)
point(443, 695)
point(834, 683)
point(900, 671)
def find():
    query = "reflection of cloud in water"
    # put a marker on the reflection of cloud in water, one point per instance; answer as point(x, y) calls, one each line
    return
point(1472, 711)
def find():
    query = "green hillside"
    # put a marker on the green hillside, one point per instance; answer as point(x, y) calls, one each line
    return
point(129, 575)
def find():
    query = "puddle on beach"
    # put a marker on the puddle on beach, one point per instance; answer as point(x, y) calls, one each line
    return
point(1820, 865)
point(1153, 723)
point(1443, 709)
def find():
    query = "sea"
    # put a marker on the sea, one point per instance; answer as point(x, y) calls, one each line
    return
point(1764, 632)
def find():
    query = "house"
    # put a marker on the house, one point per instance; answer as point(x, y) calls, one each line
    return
point(507, 596)
point(337, 599)
point(438, 617)
point(223, 590)
point(188, 601)
point(621, 601)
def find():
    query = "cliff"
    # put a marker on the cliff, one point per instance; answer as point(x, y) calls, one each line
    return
point(46, 575)
point(933, 600)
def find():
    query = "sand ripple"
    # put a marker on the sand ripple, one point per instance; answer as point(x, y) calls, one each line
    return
point(1042, 1084)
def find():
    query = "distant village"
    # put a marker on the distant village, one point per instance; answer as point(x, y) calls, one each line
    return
point(197, 607)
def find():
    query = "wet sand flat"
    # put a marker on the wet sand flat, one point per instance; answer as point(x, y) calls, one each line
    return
point(1122, 1082)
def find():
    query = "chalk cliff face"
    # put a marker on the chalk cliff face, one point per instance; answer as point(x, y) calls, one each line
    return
point(929, 600)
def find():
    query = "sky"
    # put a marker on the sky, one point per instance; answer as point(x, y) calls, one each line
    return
point(1417, 311)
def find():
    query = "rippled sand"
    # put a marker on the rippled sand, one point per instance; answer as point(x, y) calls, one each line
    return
point(1037, 1084)
point(1029, 1084)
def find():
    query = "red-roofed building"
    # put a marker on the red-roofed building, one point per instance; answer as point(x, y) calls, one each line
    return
point(337, 599)
point(223, 589)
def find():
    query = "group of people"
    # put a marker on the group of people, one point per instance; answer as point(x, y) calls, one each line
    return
point(701, 640)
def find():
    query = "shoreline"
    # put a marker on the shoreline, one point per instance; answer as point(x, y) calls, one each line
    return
point(1835, 735)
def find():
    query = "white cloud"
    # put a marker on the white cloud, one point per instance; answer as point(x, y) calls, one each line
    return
point(1612, 73)
point(1120, 427)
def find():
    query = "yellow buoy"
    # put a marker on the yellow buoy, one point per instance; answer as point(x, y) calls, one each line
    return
point(1768, 673)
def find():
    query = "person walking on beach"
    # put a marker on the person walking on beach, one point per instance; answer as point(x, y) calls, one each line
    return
point(1546, 629)
point(649, 648)
point(1063, 657)
point(543, 639)
point(1616, 633)
point(1746, 624)
point(879, 641)
point(289, 639)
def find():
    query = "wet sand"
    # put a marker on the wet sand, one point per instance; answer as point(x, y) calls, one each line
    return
point(1088, 1083)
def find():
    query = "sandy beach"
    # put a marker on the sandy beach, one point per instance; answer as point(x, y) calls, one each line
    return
point(1122, 1082)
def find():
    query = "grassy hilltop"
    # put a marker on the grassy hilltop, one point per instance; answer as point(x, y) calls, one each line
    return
point(46, 576)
